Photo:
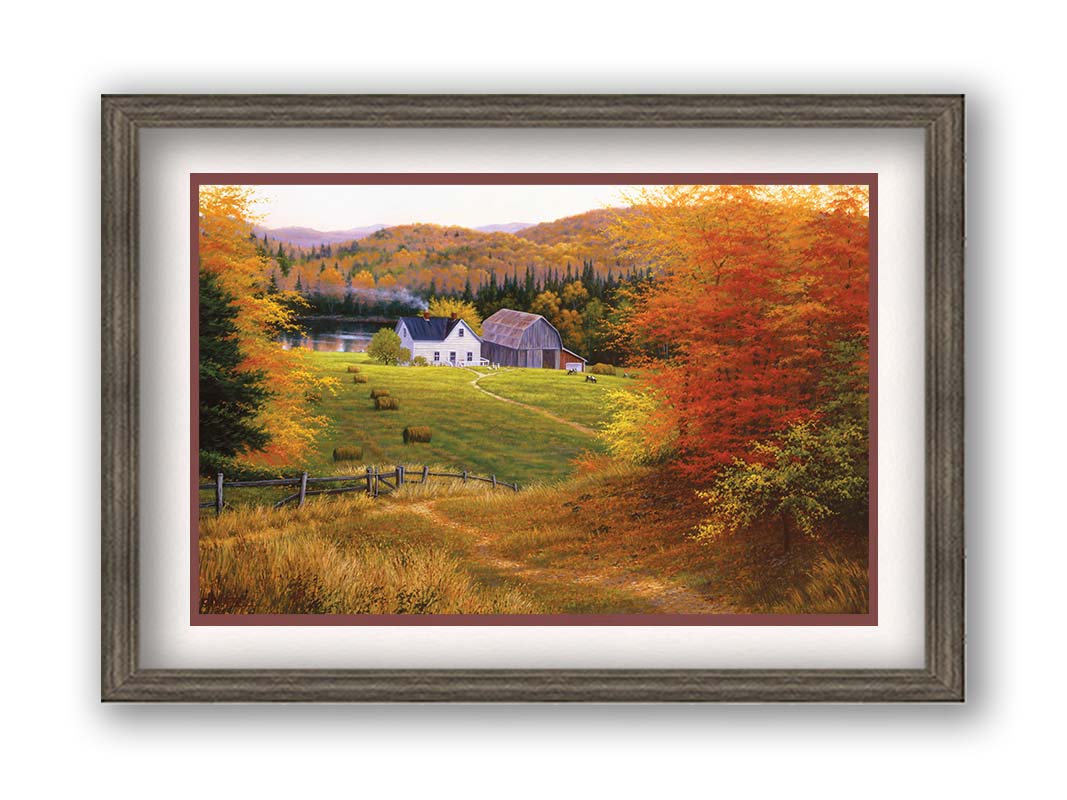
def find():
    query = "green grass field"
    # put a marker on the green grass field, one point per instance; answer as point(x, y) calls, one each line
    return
point(471, 430)
point(567, 396)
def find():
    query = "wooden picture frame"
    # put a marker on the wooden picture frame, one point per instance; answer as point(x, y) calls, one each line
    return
point(942, 120)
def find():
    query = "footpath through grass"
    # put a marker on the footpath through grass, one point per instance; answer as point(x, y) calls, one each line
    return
point(628, 518)
point(354, 555)
point(567, 396)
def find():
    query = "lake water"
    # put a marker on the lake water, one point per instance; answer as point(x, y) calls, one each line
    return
point(334, 336)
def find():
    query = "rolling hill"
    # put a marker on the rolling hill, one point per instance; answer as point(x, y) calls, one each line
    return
point(310, 237)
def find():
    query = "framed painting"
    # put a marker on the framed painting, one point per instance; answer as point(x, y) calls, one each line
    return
point(532, 398)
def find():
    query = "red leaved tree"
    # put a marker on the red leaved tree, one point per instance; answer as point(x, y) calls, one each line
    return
point(760, 299)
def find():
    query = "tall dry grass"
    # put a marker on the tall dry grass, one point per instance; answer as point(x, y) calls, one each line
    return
point(837, 585)
point(338, 556)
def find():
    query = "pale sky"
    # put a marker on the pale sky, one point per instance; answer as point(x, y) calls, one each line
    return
point(328, 208)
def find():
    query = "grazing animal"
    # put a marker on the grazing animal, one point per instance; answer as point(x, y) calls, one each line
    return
point(590, 378)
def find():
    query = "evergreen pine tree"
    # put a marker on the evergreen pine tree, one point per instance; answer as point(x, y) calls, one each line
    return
point(530, 288)
point(230, 398)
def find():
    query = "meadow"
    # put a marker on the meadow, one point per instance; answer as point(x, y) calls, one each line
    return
point(470, 430)
point(612, 540)
point(585, 534)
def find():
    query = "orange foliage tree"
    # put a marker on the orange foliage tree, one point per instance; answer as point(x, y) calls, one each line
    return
point(757, 317)
point(227, 250)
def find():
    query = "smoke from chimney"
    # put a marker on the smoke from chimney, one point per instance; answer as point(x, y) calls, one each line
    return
point(401, 295)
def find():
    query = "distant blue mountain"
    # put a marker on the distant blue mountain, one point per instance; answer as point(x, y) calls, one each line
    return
point(309, 237)
point(507, 227)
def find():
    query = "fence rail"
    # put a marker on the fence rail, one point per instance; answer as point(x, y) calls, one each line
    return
point(373, 481)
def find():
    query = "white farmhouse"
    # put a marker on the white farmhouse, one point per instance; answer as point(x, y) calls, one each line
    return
point(442, 341)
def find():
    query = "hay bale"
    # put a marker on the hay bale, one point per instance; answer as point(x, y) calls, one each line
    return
point(353, 368)
point(601, 369)
point(417, 433)
point(386, 404)
point(375, 393)
point(360, 379)
point(348, 454)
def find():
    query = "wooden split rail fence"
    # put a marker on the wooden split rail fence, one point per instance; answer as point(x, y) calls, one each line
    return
point(373, 482)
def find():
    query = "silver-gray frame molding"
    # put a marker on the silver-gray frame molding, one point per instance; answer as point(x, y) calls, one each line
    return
point(942, 676)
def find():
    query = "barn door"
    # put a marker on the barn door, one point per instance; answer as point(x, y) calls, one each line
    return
point(548, 359)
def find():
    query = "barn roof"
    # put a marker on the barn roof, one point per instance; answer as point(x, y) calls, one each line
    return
point(506, 326)
point(434, 329)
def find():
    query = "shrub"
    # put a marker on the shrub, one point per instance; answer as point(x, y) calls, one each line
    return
point(354, 368)
point(416, 433)
point(812, 473)
point(360, 379)
point(385, 348)
point(374, 393)
point(640, 429)
point(601, 369)
point(420, 361)
point(386, 404)
point(347, 453)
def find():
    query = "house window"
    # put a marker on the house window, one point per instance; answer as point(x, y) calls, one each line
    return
point(437, 355)
point(470, 356)
point(452, 356)
point(461, 332)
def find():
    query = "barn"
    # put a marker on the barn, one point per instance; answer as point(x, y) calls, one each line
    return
point(517, 339)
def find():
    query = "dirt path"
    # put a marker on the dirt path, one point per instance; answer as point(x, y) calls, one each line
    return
point(665, 597)
point(535, 409)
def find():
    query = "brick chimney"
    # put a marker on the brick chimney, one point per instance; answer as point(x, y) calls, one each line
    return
point(426, 314)
point(453, 315)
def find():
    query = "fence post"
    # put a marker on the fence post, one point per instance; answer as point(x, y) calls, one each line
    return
point(376, 489)
point(303, 487)
point(218, 494)
point(464, 476)
point(494, 481)
point(399, 475)
point(425, 473)
point(368, 480)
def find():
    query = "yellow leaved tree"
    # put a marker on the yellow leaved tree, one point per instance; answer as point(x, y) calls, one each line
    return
point(227, 249)
point(447, 306)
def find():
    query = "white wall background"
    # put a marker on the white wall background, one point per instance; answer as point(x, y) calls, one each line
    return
point(61, 740)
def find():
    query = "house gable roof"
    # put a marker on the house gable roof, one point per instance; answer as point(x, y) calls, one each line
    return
point(434, 329)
